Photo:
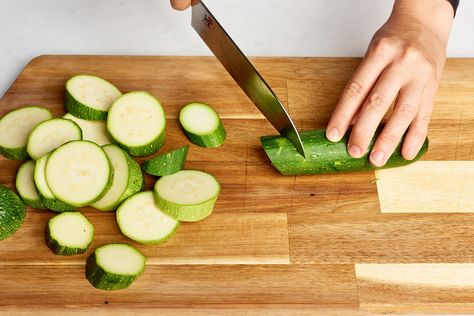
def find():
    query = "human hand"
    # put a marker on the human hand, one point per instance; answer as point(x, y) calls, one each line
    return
point(180, 4)
point(404, 62)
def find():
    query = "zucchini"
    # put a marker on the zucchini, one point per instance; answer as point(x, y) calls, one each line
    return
point(25, 185)
point(12, 212)
point(49, 135)
point(188, 195)
point(114, 266)
point(47, 197)
point(167, 163)
point(15, 127)
point(142, 221)
point(69, 234)
point(324, 156)
point(78, 173)
point(127, 179)
point(202, 125)
point(95, 131)
point(89, 97)
point(137, 122)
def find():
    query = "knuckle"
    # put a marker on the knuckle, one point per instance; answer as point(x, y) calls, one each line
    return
point(353, 89)
point(411, 54)
point(423, 117)
point(376, 102)
point(407, 110)
point(381, 45)
point(360, 131)
point(388, 138)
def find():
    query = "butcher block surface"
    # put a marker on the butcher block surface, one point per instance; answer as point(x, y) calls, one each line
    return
point(275, 245)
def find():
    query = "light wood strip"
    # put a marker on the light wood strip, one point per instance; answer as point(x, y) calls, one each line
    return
point(408, 288)
point(223, 238)
point(427, 187)
point(381, 238)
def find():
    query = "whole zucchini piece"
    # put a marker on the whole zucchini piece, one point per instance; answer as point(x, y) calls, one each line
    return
point(324, 156)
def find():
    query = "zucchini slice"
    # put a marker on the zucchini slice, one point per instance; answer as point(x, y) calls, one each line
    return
point(12, 212)
point(15, 127)
point(78, 173)
point(137, 122)
point(69, 234)
point(202, 125)
point(114, 266)
point(49, 135)
point(47, 197)
point(90, 97)
point(142, 221)
point(188, 195)
point(127, 179)
point(95, 131)
point(25, 185)
point(324, 156)
point(167, 163)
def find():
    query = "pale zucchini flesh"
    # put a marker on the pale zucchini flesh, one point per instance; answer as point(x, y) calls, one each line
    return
point(47, 197)
point(202, 125)
point(114, 266)
point(188, 195)
point(12, 212)
point(26, 187)
point(50, 134)
point(90, 97)
point(78, 173)
point(127, 179)
point(140, 219)
point(95, 131)
point(137, 122)
point(16, 126)
point(69, 234)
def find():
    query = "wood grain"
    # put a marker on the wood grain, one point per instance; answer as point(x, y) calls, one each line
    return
point(416, 287)
point(275, 245)
point(427, 186)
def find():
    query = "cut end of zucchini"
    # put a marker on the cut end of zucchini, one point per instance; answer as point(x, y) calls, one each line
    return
point(69, 234)
point(95, 131)
point(142, 221)
point(25, 185)
point(114, 266)
point(12, 212)
point(78, 173)
point(16, 126)
point(127, 179)
point(167, 163)
point(50, 134)
point(188, 195)
point(90, 97)
point(202, 125)
point(324, 156)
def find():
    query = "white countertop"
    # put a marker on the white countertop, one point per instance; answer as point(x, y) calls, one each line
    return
point(150, 27)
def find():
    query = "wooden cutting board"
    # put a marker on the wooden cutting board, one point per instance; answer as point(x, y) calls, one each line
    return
point(275, 245)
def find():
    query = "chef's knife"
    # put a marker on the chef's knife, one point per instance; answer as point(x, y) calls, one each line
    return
point(244, 73)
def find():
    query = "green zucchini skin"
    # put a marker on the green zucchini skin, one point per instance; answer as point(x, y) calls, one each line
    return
point(12, 212)
point(56, 205)
point(59, 249)
point(104, 280)
point(14, 153)
point(82, 111)
point(144, 150)
point(167, 163)
point(211, 140)
point(324, 156)
point(186, 213)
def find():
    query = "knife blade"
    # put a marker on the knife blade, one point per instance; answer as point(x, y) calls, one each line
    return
point(244, 73)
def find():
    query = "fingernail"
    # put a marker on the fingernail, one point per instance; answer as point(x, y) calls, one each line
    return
point(354, 151)
point(411, 153)
point(377, 157)
point(333, 134)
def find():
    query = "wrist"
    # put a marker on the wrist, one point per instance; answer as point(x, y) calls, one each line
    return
point(435, 14)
